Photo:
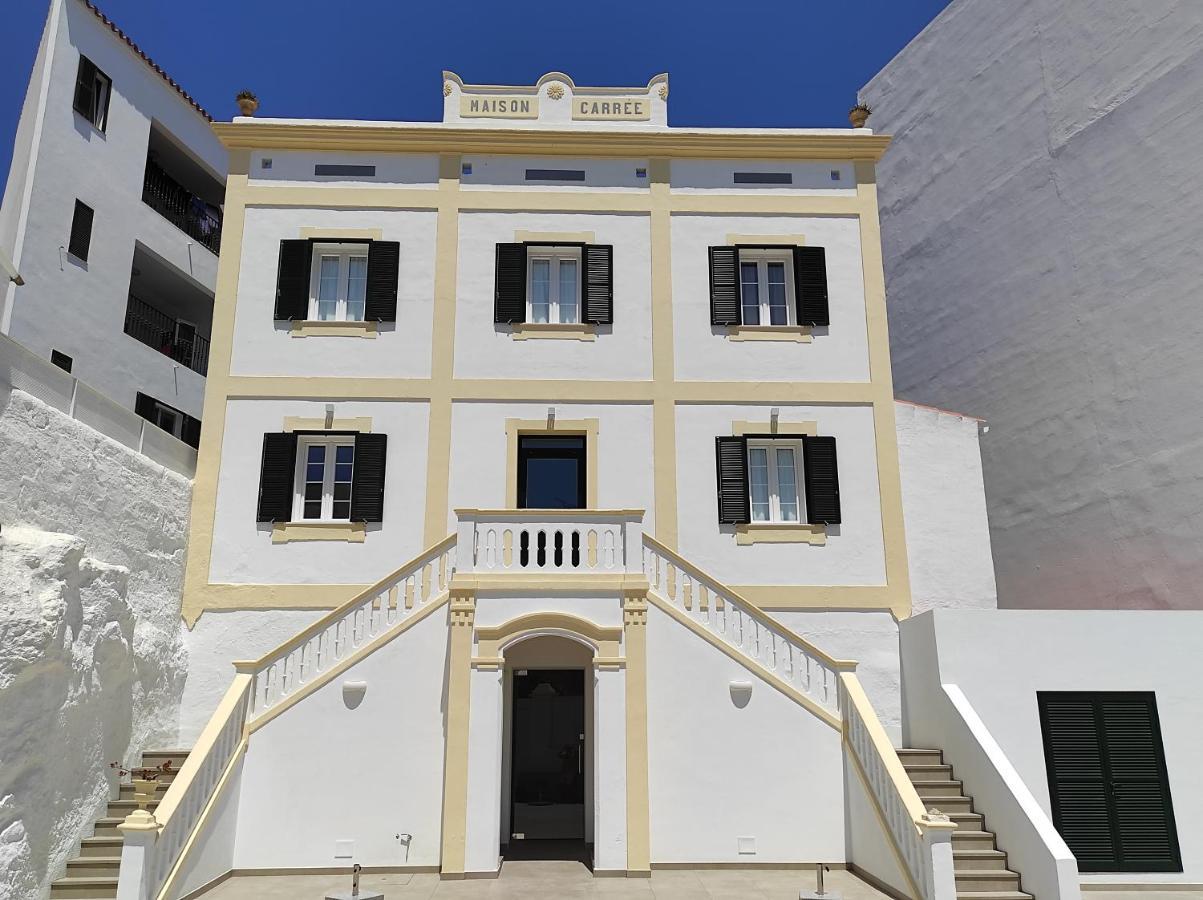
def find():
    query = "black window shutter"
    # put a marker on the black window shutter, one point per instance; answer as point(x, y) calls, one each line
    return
point(292, 280)
point(724, 286)
point(367, 478)
point(810, 285)
point(81, 231)
point(822, 481)
point(383, 262)
point(599, 284)
point(190, 432)
point(85, 82)
point(276, 477)
point(734, 504)
point(144, 406)
point(509, 298)
point(1107, 780)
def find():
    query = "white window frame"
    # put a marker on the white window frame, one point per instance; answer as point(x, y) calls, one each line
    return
point(176, 417)
point(770, 446)
point(762, 257)
point(102, 93)
point(331, 443)
point(344, 252)
point(554, 255)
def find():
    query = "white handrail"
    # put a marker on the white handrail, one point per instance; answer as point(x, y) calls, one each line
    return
point(921, 839)
point(738, 623)
point(550, 541)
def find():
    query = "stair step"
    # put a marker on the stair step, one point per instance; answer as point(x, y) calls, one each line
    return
point(127, 791)
point(89, 888)
point(949, 788)
point(94, 866)
point(105, 845)
point(972, 840)
point(978, 859)
point(986, 880)
point(154, 758)
point(992, 895)
point(927, 771)
point(973, 821)
point(947, 803)
point(921, 757)
point(107, 826)
point(124, 807)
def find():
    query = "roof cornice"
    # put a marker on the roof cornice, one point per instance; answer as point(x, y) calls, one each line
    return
point(669, 143)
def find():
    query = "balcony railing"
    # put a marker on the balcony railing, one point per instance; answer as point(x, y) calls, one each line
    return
point(550, 541)
point(156, 329)
point(185, 210)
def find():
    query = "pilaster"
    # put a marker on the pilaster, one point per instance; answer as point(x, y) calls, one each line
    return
point(462, 618)
point(634, 622)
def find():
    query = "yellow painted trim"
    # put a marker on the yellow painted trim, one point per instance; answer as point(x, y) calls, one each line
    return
point(741, 427)
point(362, 424)
point(780, 533)
point(541, 581)
point(455, 759)
point(845, 144)
point(493, 641)
point(350, 532)
point(609, 662)
point(522, 515)
point(310, 328)
point(760, 240)
point(343, 665)
point(760, 672)
point(634, 631)
point(796, 334)
point(664, 412)
point(337, 234)
point(555, 237)
point(522, 331)
point(517, 427)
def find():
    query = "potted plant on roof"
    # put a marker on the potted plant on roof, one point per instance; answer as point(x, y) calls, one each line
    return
point(859, 115)
point(247, 102)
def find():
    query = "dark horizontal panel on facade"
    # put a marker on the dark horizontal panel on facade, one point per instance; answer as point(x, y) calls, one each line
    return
point(555, 174)
point(764, 178)
point(353, 171)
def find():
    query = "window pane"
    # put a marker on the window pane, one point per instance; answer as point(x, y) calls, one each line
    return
point(327, 288)
point(341, 510)
point(540, 289)
point(357, 286)
point(787, 484)
point(344, 454)
point(315, 474)
point(758, 477)
point(778, 312)
point(568, 290)
point(344, 458)
point(313, 510)
point(750, 293)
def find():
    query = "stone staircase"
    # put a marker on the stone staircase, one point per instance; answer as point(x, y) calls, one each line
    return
point(92, 875)
point(980, 868)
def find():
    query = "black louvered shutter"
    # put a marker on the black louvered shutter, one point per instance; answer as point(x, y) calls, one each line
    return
point(724, 286)
point(85, 87)
point(1107, 781)
point(144, 406)
point(599, 284)
point(292, 280)
point(383, 262)
point(822, 481)
point(80, 241)
point(190, 432)
point(509, 297)
point(810, 285)
point(734, 504)
point(276, 475)
point(367, 478)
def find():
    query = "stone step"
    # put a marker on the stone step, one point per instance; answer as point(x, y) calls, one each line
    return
point(124, 807)
point(986, 880)
point(107, 826)
point(963, 839)
point(947, 804)
point(90, 888)
point(993, 895)
point(127, 791)
point(949, 788)
point(106, 845)
point(921, 757)
point(927, 772)
point(978, 859)
point(154, 758)
point(94, 866)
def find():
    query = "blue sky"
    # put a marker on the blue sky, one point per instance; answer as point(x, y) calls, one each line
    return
point(756, 62)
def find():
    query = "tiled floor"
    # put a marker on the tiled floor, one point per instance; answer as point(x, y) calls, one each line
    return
point(553, 879)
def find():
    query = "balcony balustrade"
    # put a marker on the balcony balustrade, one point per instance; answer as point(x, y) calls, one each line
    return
point(181, 207)
point(157, 329)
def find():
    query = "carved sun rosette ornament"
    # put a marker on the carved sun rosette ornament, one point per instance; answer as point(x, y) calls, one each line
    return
point(446, 88)
point(555, 91)
point(664, 92)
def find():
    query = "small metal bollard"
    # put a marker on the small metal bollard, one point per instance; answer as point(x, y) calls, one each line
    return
point(819, 893)
point(355, 895)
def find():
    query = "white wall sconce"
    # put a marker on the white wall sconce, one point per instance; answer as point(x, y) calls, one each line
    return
point(741, 693)
point(551, 418)
point(329, 415)
point(774, 415)
point(353, 693)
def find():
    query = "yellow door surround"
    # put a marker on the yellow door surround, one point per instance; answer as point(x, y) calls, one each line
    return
point(515, 428)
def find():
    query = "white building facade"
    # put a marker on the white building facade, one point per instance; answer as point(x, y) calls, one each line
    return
point(112, 217)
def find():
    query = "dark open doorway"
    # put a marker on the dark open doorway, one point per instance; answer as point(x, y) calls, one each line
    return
point(551, 472)
point(547, 761)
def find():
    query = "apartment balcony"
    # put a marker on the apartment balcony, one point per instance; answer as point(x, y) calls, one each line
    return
point(182, 190)
point(172, 337)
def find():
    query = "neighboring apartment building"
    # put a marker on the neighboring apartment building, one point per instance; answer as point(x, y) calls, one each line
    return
point(1038, 209)
point(112, 217)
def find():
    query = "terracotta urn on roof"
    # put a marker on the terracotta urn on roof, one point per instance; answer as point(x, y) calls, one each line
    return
point(247, 103)
point(859, 115)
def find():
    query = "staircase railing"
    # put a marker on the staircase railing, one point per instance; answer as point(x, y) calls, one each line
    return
point(923, 841)
point(739, 624)
point(301, 659)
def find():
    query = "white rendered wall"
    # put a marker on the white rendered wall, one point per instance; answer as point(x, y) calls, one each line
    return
point(380, 765)
point(771, 770)
point(509, 173)
point(707, 176)
point(704, 352)
point(263, 346)
point(91, 564)
point(1039, 231)
point(294, 168)
point(1001, 658)
point(105, 171)
point(622, 351)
